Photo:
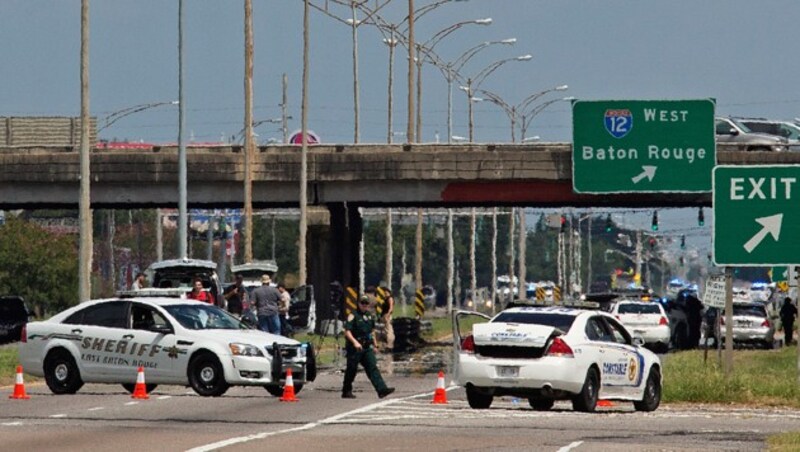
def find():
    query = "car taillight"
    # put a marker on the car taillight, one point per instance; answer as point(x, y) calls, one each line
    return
point(23, 335)
point(663, 321)
point(468, 344)
point(765, 323)
point(559, 348)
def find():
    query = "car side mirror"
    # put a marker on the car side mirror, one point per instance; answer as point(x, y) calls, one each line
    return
point(733, 132)
point(161, 329)
point(638, 340)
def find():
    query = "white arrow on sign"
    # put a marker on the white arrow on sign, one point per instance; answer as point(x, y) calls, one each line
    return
point(648, 171)
point(770, 225)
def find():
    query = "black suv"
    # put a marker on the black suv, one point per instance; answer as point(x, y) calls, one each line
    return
point(13, 316)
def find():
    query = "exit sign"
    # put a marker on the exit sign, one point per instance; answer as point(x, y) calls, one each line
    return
point(643, 146)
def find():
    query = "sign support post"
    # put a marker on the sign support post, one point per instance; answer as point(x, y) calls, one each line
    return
point(728, 321)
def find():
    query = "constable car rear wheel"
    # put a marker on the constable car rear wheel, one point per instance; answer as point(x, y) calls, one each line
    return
point(277, 391)
point(477, 399)
point(131, 386)
point(541, 404)
point(652, 393)
point(61, 373)
point(207, 376)
point(587, 399)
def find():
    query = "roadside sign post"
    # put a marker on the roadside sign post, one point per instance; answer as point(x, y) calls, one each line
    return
point(760, 222)
point(643, 146)
point(728, 320)
point(714, 296)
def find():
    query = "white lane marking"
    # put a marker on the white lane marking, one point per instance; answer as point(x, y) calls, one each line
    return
point(164, 397)
point(11, 424)
point(58, 415)
point(97, 408)
point(131, 403)
point(570, 446)
point(329, 420)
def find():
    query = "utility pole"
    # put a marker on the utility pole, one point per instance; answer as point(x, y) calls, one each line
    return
point(494, 258)
point(473, 283)
point(284, 110)
point(511, 214)
point(450, 260)
point(418, 257)
point(85, 211)
point(411, 60)
point(183, 213)
point(248, 127)
point(638, 254)
point(523, 234)
point(389, 250)
point(301, 251)
point(159, 237)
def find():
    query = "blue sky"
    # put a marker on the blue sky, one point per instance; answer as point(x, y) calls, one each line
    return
point(739, 52)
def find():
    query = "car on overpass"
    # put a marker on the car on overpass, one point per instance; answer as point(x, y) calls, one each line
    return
point(731, 130)
point(177, 342)
point(553, 353)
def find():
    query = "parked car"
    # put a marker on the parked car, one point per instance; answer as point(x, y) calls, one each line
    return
point(554, 353)
point(730, 130)
point(13, 317)
point(176, 341)
point(173, 278)
point(646, 319)
point(751, 325)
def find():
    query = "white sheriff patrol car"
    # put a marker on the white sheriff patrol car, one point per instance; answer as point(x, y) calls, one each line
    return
point(176, 341)
point(554, 353)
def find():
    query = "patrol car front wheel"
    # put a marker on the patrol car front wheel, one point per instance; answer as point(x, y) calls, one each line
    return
point(206, 375)
point(652, 393)
point(277, 391)
point(61, 372)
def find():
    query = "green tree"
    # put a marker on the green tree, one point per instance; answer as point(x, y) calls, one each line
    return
point(40, 266)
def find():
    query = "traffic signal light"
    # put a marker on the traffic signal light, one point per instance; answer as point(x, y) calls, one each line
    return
point(563, 223)
point(683, 242)
point(609, 224)
point(701, 220)
point(654, 225)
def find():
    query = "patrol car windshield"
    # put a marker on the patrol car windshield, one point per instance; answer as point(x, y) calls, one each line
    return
point(561, 321)
point(200, 317)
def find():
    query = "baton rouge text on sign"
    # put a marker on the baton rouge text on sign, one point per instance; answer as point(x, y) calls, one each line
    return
point(643, 146)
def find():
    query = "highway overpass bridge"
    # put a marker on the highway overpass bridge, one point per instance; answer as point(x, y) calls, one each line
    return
point(340, 177)
point(367, 175)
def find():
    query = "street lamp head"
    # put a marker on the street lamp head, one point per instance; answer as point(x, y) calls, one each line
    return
point(476, 99)
point(352, 22)
point(568, 98)
point(458, 138)
point(464, 88)
point(486, 21)
point(533, 138)
point(175, 102)
point(524, 57)
point(508, 41)
point(390, 42)
point(562, 87)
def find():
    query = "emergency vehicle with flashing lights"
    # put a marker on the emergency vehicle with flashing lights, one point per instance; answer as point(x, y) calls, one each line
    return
point(177, 342)
point(554, 353)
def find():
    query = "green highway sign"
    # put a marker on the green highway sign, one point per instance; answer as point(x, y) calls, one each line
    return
point(756, 215)
point(640, 146)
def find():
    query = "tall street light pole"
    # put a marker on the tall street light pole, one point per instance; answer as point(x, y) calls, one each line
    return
point(410, 138)
point(473, 83)
point(85, 214)
point(302, 276)
point(183, 223)
point(425, 51)
point(527, 117)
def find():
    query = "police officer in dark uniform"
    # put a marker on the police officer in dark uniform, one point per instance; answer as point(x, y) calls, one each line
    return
point(361, 344)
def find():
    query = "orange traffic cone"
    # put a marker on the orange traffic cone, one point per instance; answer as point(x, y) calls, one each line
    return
point(605, 403)
point(288, 388)
point(440, 395)
point(19, 387)
point(140, 390)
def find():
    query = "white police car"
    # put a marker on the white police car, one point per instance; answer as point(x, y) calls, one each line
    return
point(176, 341)
point(554, 353)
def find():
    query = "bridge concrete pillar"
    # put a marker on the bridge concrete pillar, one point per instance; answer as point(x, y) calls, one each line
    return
point(333, 245)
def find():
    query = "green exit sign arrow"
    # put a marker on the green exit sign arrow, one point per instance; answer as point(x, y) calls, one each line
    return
point(756, 216)
point(643, 146)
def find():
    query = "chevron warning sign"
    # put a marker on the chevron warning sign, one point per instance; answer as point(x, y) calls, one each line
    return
point(419, 304)
point(350, 299)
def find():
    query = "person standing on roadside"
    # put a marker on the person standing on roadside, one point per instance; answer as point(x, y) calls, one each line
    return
point(266, 300)
point(360, 337)
point(138, 283)
point(283, 310)
point(386, 318)
point(788, 314)
point(236, 296)
point(198, 293)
